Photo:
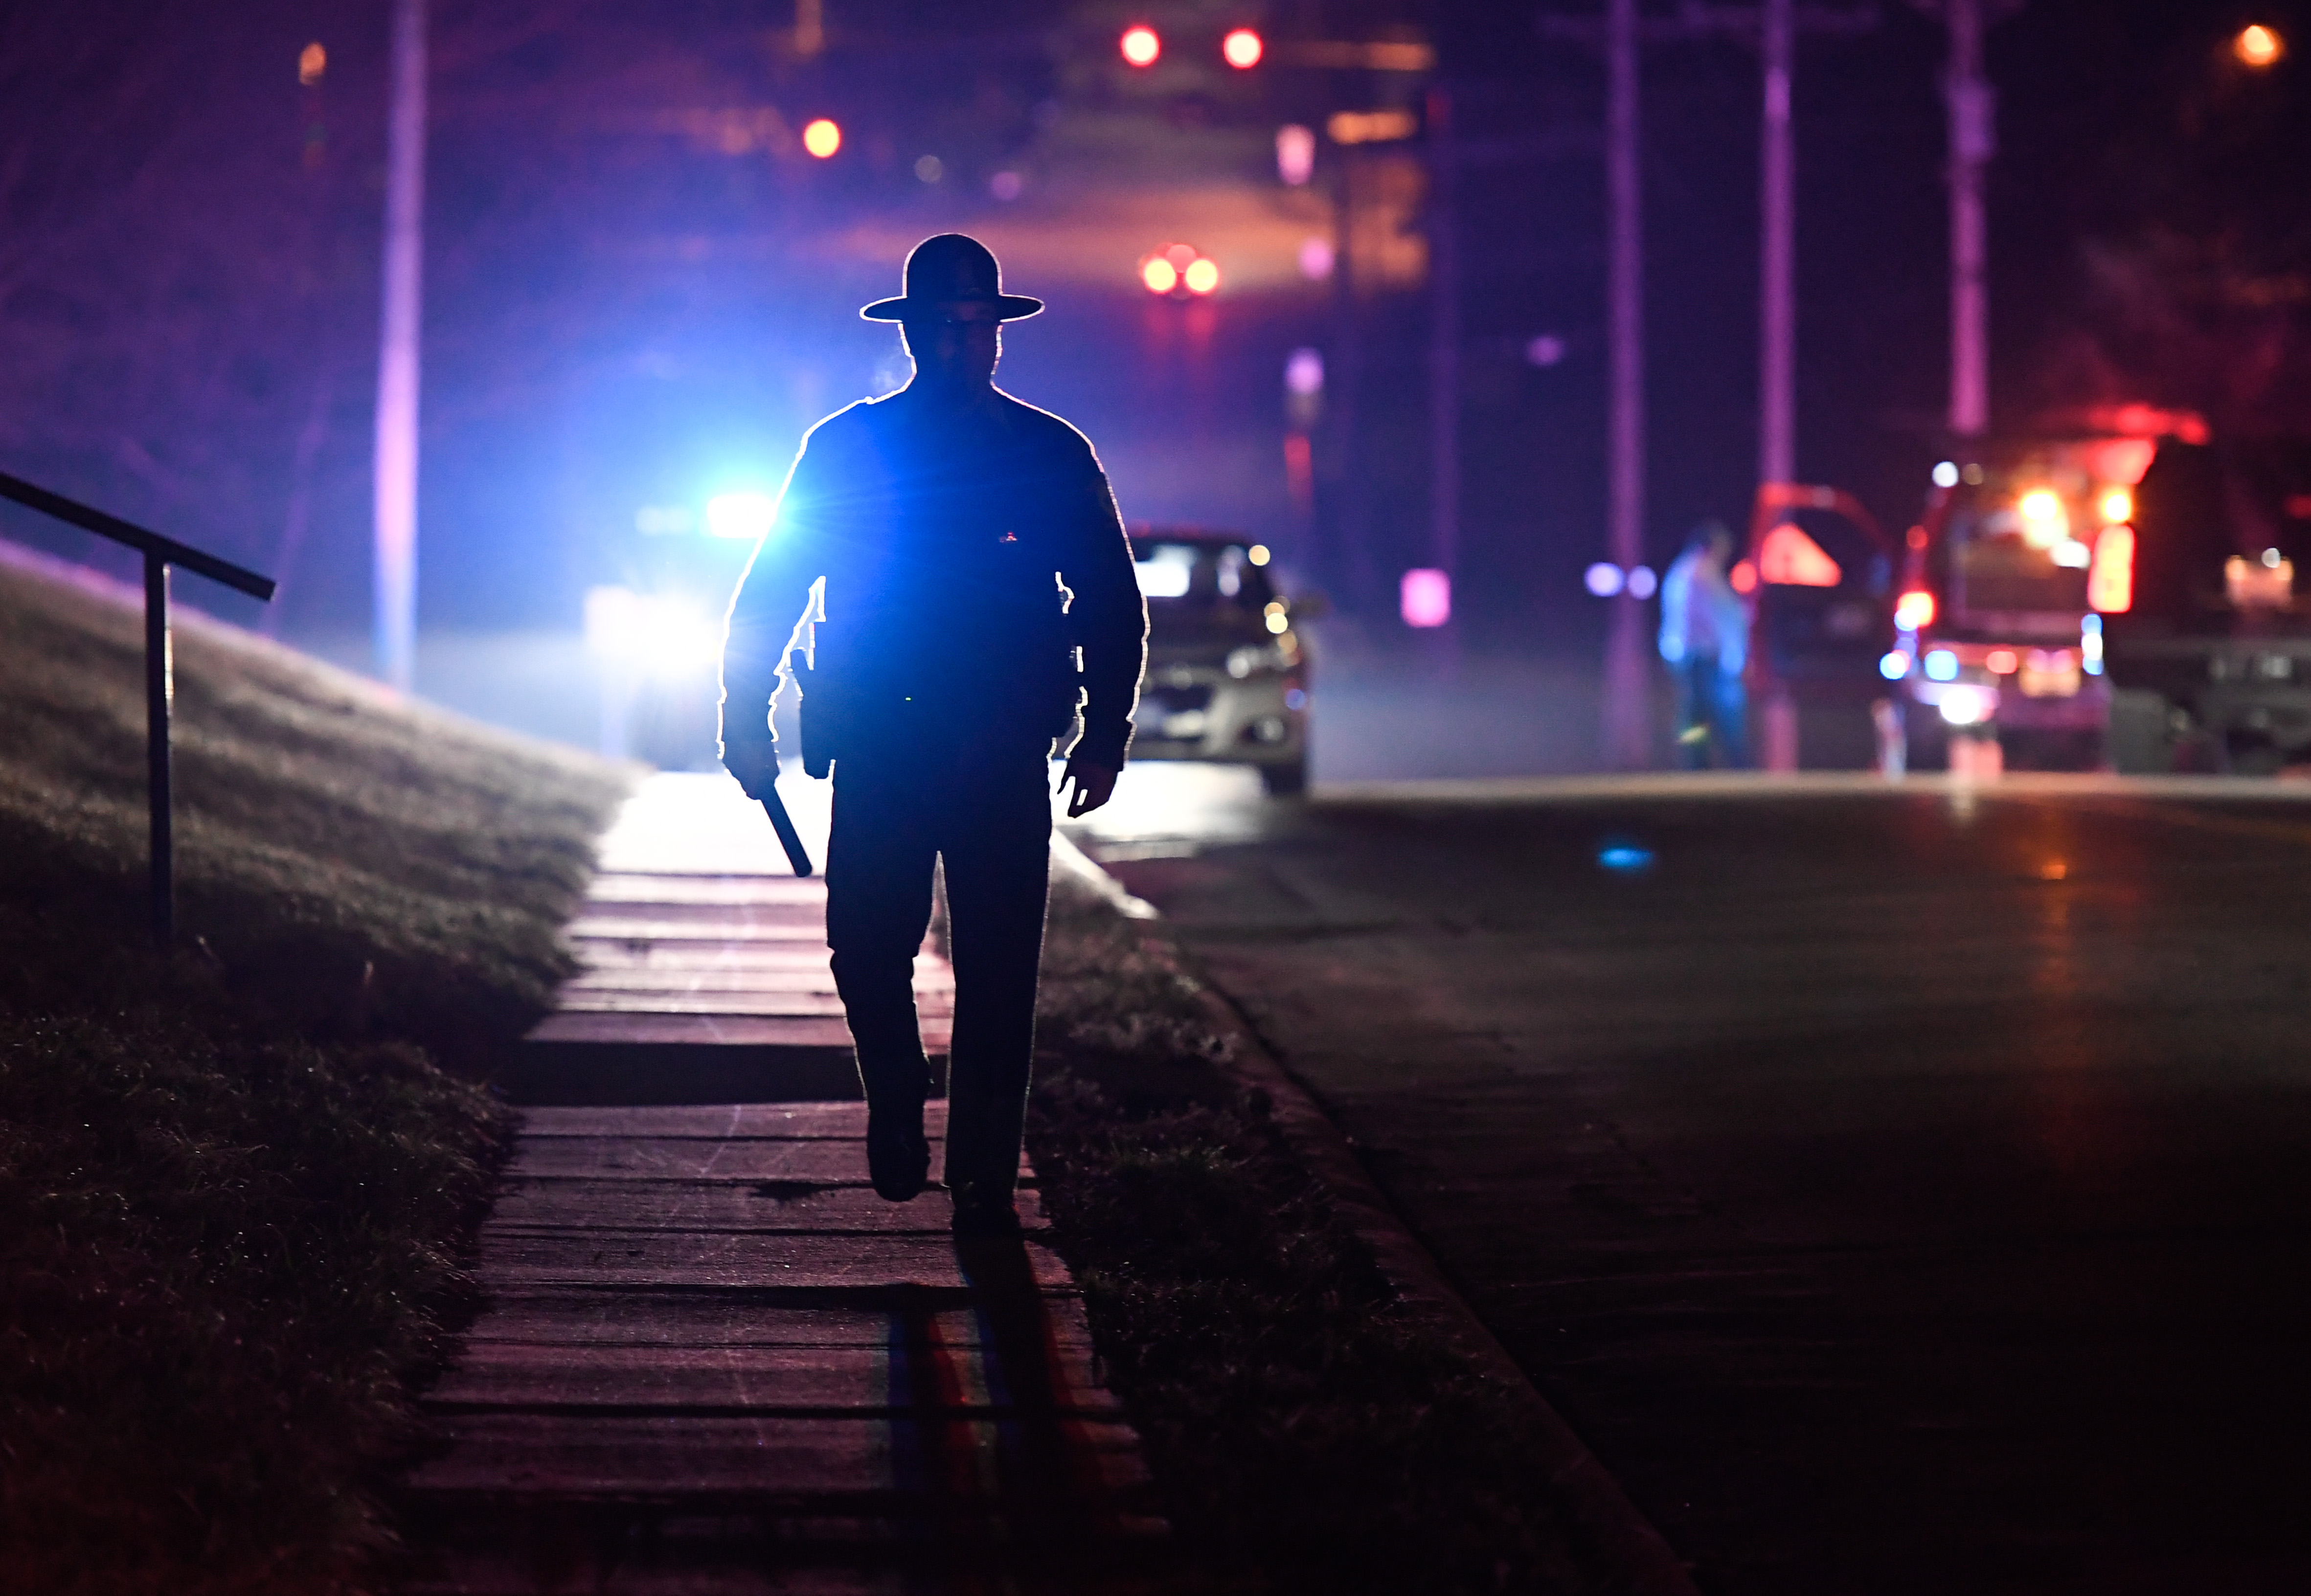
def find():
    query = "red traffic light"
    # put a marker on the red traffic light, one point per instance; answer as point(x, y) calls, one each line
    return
point(1242, 48)
point(1140, 45)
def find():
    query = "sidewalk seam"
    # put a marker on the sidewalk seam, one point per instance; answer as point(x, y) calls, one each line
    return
point(1623, 1540)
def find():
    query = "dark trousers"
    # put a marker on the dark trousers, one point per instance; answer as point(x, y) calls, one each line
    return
point(986, 814)
point(1711, 703)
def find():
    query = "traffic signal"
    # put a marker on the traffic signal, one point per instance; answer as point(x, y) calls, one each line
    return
point(1242, 48)
point(1140, 45)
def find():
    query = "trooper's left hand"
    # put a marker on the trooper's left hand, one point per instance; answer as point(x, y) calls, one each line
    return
point(1095, 784)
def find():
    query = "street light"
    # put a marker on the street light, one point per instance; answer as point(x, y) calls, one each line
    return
point(1140, 45)
point(2258, 47)
point(1242, 48)
point(821, 138)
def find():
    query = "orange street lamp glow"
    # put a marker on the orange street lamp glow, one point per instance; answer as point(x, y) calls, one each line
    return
point(1201, 277)
point(1141, 45)
point(2258, 46)
point(1242, 48)
point(821, 138)
point(1159, 275)
point(2117, 506)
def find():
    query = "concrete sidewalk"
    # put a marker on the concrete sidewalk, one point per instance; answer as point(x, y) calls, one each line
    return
point(712, 1360)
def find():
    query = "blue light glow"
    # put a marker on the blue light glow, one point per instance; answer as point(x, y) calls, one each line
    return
point(1625, 857)
point(1895, 666)
point(1941, 665)
point(740, 515)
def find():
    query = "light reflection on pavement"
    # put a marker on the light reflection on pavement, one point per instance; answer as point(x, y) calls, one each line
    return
point(1171, 809)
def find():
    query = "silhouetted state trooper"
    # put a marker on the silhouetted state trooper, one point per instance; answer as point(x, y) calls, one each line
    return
point(942, 558)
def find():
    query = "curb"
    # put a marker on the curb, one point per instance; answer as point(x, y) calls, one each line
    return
point(1624, 1545)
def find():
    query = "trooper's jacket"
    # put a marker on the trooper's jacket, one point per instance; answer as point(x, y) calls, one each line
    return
point(940, 569)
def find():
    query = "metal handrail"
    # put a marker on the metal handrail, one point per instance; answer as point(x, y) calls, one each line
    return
point(159, 676)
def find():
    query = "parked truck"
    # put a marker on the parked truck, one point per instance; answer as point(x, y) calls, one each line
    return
point(2211, 664)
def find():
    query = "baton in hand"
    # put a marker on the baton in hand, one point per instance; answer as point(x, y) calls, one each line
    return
point(783, 823)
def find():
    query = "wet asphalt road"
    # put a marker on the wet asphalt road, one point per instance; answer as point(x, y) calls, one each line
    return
point(1899, 1193)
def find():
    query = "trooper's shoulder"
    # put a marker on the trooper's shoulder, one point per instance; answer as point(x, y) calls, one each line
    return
point(852, 425)
point(1043, 430)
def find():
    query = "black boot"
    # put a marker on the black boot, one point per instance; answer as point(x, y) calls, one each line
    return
point(983, 1208)
point(898, 1153)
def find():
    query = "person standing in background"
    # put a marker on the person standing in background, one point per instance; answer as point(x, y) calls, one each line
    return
point(1704, 637)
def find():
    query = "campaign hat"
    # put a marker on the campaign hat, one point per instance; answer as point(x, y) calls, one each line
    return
point(947, 268)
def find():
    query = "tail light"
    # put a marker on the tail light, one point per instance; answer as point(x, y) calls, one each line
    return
point(2110, 580)
point(1915, 610)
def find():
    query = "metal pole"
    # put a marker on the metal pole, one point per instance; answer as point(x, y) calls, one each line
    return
point(1777, 327)
point(1778, 310)
point(1444, 340)
point(160, 689)
point(1345, 385)
point(1627, 740)
point(396, 506)
point(1973, 141)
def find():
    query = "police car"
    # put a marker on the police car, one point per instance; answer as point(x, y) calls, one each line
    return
point(1227, 665)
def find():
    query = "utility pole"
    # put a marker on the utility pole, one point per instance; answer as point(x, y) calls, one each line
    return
point(1777, 314)
point(1349, 525)
point(396, 464)
point(1627, 741)
point(1444, 339)
point(1973, 107)
point(1973, 141)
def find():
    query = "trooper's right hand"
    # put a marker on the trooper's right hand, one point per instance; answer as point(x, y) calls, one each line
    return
point(754, 764)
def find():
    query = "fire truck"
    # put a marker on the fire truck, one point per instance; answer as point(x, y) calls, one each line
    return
point(2211, 660)
point(2026, 553)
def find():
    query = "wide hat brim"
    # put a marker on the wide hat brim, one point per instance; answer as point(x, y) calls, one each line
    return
point(1008, 306)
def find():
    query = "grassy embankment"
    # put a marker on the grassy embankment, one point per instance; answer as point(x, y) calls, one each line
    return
point(234, 1182)
point(1303, 1426)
